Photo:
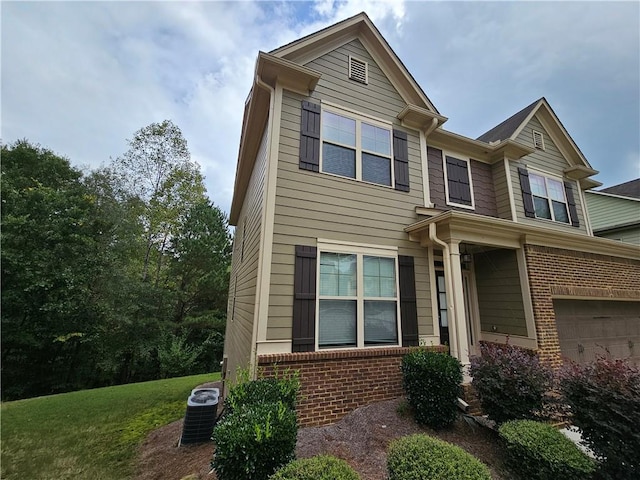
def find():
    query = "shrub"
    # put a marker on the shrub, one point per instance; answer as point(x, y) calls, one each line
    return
point(322, 467)
point(254, 441)
point(420, 457)
point(539, 451)
point(432, 381)
point(604, 397)
point(511, 383)
point(282, 388)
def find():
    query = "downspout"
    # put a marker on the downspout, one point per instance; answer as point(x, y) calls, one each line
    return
point(453, 334)
point(254, 335)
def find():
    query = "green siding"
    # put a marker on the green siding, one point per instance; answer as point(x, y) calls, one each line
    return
point(608, 212)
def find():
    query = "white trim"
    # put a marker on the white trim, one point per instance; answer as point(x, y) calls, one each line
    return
point(541, 137)
point(426, 192)
point(548, 197)
point(525, 289)
point(353, 60)
point(270, 347)
point(516, 340)
point(359, 250)
point(269, 205)
point(342, 110)
point(585, 210)
point(462, 158)
point(512, 203)
point(434, 292)
point(613, 195)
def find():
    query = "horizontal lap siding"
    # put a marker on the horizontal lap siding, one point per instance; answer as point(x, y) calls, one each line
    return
point(499, 292)
point(315, 205)
point(548, 161)
point(244, 269)
point(501, 188)
point(607, 212)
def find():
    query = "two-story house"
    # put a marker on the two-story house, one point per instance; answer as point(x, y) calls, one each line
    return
point(363, 228)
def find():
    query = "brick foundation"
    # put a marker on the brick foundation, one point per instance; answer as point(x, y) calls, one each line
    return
point(335, 383)
point(558, 273)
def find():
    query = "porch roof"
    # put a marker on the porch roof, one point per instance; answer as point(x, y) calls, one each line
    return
point(462, 227)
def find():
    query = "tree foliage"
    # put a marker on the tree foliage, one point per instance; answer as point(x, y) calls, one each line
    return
point(109, 276)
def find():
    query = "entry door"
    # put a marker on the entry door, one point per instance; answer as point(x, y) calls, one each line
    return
point(443, 313)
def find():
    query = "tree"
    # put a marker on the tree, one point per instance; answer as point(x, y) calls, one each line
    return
point(51, 256)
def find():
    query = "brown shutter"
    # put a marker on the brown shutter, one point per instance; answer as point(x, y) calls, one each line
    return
point(310, 137)
point(527, 198)
point(408, 307)
point(571, 202)
point(458, 181)
point(304, 301)
point(401, 160)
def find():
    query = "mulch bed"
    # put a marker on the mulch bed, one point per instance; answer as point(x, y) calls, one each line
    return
point(361, 438)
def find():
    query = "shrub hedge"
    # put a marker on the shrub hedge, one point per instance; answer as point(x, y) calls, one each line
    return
point(538, 451)
point(254, 441)
point(604, 397)
point(432, 381)
point(282, 388)
point(511, 383)
point(322, 467)
point(420, 457)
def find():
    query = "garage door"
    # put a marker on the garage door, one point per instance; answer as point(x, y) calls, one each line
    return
point(591, 328)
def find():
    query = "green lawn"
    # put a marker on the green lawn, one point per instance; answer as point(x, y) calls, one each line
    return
point(88, 434)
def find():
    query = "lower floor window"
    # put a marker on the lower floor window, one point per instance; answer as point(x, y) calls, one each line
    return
point(358, 302)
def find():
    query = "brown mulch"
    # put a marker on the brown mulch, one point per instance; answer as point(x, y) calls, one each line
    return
point(361, 438)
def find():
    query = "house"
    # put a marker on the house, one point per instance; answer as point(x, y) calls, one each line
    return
point(614, 212)
point(364, 228)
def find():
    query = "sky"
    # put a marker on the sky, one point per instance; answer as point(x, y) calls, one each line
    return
point(80, 78)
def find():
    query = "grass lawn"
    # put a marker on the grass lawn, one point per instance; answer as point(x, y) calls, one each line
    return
point(91, 433)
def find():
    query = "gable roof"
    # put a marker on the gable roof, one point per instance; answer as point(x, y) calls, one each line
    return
point(629, 189)
point(506, 129)
point(359, 26)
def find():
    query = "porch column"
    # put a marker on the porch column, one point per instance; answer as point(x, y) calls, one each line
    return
point(457, 297)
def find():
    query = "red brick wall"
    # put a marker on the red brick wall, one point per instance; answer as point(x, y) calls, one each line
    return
point(555, 272)
point(337, 382)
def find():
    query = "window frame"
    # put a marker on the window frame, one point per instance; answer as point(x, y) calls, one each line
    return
point(359, 118)
point(360, 251)
point(565, 202)
point(462, 158)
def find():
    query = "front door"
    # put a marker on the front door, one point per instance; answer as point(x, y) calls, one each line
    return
point(443, 313)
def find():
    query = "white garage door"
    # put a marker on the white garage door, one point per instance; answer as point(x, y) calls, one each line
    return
point(591, 328)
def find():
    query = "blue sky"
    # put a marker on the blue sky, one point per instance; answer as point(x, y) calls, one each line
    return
point(81, 77)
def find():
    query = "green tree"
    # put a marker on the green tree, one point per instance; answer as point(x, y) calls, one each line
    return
point(51, 255)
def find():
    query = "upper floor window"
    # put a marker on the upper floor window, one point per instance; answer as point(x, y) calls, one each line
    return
point(358, 300)
point(356, 148)
point(458, 186)
point(549, 199)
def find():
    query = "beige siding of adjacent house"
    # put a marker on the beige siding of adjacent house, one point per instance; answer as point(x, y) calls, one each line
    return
point(548, 161)
point(499, 293)
point(244, 268)
point(501, 187)
point(312, 206)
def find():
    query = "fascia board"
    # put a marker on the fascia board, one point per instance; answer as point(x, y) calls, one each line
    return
point(612, 195)
point(475, 148)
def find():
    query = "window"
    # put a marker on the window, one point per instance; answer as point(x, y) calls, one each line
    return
point(356, 148)
point(358, 300)
point(549, 200)
point(538, 140)
point(458, 185)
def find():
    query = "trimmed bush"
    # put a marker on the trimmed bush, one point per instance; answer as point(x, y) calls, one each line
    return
point(511, 383)
point(539, 451)
point(420, 457)
point(432, 381)
point(282, 388)
point(254, 441)
point(604, 397)
point(322, 467)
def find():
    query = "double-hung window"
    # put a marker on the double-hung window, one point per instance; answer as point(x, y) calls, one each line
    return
point(355, 147)
point(358, 299)
point(549, 199)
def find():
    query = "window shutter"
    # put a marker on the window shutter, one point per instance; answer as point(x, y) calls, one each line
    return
point(527, 198)
point(310, 137)
point(304, 301)
point(408, 307)
point(401, 160)
point(458, 181)
point(571, 202)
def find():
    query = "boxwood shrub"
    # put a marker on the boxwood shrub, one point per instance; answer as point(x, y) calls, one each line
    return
point(321, 467)
point(432, 381)
point(539, 451)
point(604, 397)
point(511, 383)
point(282, 388)
point(420, 457)
point(254, 441)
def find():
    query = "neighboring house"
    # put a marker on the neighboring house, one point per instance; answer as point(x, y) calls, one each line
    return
point(364, 228)
point(614, 212)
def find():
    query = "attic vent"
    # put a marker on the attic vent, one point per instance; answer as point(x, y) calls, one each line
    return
point(358, 70)
point(538, 140)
